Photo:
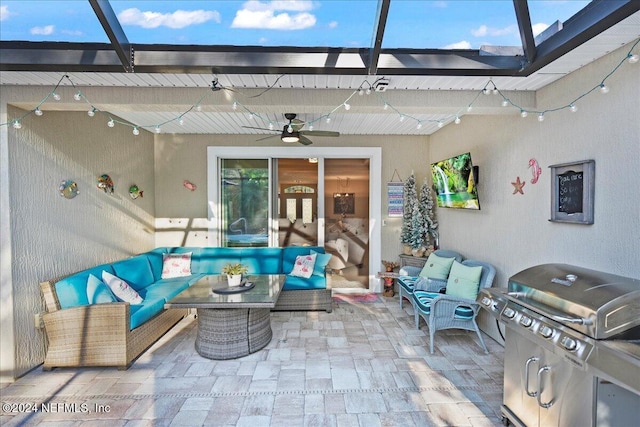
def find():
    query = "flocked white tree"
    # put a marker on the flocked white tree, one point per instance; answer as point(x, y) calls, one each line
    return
point(429, 223)
point(410, 200)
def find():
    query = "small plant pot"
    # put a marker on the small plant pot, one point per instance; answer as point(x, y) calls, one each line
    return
point(234, 279)
point(407, 250)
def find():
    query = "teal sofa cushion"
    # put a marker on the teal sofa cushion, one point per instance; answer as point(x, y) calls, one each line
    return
point(299, 283)
point(262, 260)
point(155, 261)
point(140, 313)
point(136, 271)
point(212, 260)
point(72, 290)
point(165, 288)
point(321, 263)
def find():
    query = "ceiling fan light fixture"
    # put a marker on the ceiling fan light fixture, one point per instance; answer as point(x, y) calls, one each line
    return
point(294, 137)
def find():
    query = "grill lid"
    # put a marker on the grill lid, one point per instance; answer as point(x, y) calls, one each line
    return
point(609, 304)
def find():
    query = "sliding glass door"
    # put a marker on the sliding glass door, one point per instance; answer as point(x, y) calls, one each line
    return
point(244, 185)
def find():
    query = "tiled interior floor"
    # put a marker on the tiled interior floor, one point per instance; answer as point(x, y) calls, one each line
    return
point(362, 365)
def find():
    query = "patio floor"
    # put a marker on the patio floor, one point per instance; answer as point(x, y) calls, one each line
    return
point(362, 365)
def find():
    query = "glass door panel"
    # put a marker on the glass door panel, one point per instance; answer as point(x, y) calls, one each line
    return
point(346, 198)
point(297, 202)
point(244, 188)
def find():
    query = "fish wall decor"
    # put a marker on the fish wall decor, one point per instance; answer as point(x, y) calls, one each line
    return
point(105, 183)
point(189, 185)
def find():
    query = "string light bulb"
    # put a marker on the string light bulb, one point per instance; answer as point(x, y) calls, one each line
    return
point(181, 121)
point(633, 58)
point(328, 119)
point(290, 129)
point(136, 132)
point(457, 120)
point(505, 102)
point(541, 117)
point(402, 117)
point(17, 124)
point(56, 96)
point(91, 112)
point(604, 88)
point(440, 124)
point(37, 112)
point(77, 96)
point(573, 108)
point(419, 125)
point(523, 114)
point(111, 123)
point(198, 107)
point(157, 129)
point(347, 106)
point(271, 126)
point(234, 106)
point(310, 126)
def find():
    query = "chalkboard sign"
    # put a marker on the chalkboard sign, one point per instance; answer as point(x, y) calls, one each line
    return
point(572, 190)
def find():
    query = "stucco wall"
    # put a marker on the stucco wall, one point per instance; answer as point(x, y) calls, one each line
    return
point(52, 236)
point(512, 231)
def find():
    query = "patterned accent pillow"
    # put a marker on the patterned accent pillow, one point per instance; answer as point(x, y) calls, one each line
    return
point(176, 265)
point(303, 266)
point(121, 289)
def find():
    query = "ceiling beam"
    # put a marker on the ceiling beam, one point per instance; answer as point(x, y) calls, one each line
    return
point(109, 21)
point(596, 17)
point(381, 23)
point(526, 32)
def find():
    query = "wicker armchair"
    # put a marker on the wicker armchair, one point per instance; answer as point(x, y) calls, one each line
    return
point(442, 311)
point(409, 275)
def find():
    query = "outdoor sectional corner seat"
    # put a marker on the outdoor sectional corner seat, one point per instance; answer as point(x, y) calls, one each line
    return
point(108, 332)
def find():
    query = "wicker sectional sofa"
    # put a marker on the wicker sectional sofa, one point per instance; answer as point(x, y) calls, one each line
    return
point(80, 333)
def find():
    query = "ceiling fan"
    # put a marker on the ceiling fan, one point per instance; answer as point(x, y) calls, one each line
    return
point(293, 132)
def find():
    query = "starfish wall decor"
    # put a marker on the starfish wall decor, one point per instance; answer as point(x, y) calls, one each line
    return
point(518, 185)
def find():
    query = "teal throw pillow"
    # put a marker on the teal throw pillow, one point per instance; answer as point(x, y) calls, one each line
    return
point(463, 281)
point(321, 263)
point(98, 292)
point(437, 267)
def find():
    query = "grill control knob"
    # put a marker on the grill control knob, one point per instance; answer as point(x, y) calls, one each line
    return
point(486, 301)
point(509, 312)
point(569, 343)
point(526, 321)
point(546, 331)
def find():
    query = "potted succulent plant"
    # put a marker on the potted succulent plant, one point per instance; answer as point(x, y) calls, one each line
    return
point(234, 272)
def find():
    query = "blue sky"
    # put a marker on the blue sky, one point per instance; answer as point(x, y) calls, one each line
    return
point(336, 23)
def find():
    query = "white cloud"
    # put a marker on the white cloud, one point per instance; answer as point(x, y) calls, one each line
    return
point(264, 15)
point(4, 13)
point(42, 31)
point(484, 31)
point(74, 33)
point(175, 20)
point(333, 24)
point(538, 28)
point(459, 45)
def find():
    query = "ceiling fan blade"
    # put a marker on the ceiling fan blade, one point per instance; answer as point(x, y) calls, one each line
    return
point(251, 127)
point(267, 137)
point(305, 141)
point(320, 132)
point(297, 124)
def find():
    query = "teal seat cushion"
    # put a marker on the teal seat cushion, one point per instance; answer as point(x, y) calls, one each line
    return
point(140, 313)
point(155, 261)
point(136, 271)
point(72, 290)
point(407, 283)
point(423, 300)
point(463, 281)
point(299, 283)
point(165, 289)
point(437, 267)
point(262, 260)
point(98, 292)
point(321, 263)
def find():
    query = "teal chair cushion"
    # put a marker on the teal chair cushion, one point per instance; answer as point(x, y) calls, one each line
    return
point(140, 313)
point(423, 300)
point(72, 290)
point(136, 271)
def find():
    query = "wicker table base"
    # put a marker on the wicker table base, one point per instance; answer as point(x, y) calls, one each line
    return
point(229, 333)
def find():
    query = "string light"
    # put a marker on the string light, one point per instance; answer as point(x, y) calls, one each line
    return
point(136, 132)
point(365, 87)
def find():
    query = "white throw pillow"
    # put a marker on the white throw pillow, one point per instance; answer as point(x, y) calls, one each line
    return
point(176, 265)
point(121, 289)
point(303, 266)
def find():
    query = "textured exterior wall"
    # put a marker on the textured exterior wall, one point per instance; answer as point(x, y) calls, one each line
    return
point(513, 231)
point(52, 236)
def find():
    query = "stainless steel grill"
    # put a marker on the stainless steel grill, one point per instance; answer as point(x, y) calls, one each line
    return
point(569, 328)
